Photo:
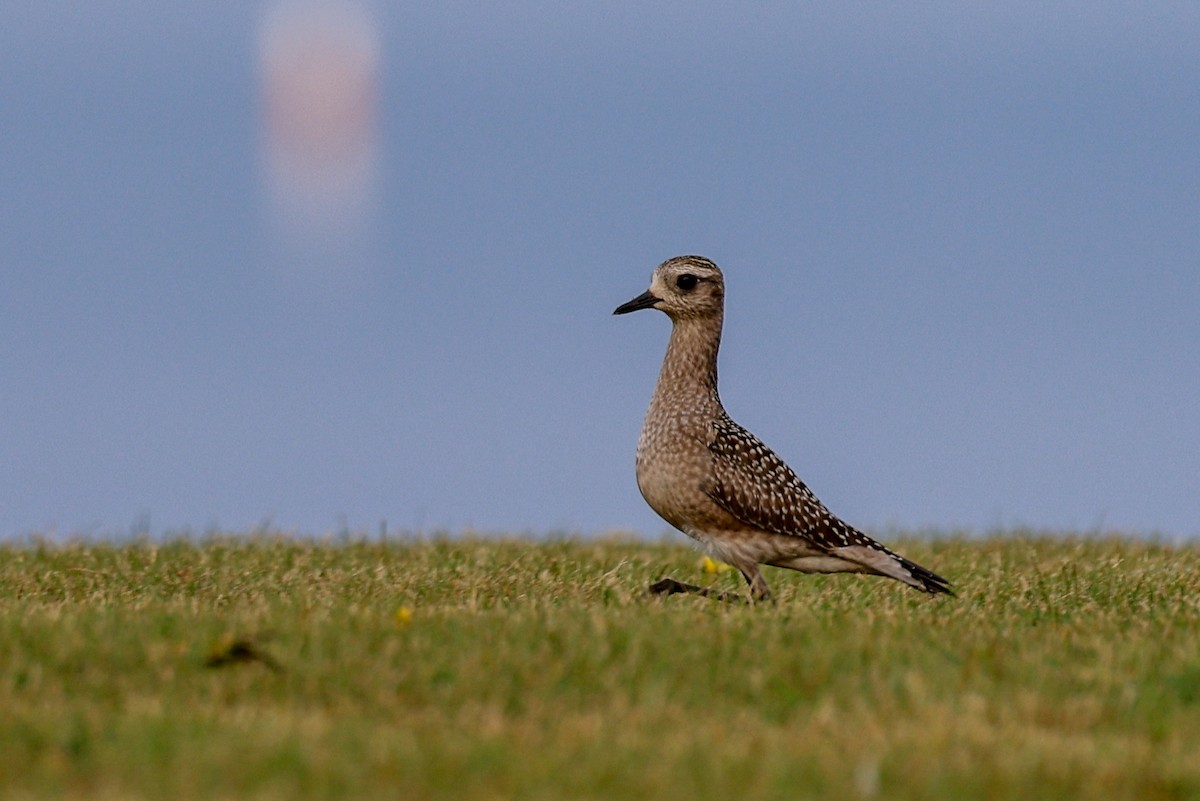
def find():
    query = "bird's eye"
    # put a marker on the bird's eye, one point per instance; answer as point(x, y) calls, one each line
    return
point(686, 282)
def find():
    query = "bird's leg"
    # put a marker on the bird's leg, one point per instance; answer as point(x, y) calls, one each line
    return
point(759, 591)
point(669, 586)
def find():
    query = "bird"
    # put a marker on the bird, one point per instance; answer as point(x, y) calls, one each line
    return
point(718, 483)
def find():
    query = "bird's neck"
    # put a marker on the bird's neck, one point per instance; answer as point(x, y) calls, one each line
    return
point(688, 379)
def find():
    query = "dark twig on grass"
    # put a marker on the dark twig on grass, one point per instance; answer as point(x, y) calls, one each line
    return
point(670, 586)
point(241, 650)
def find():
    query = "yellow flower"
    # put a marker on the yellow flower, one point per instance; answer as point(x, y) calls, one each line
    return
point(404, 616)
point(712, 566)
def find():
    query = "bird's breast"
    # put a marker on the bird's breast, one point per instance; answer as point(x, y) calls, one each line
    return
point(673, 467)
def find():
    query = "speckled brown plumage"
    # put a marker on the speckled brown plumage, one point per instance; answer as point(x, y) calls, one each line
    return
point(713, 479)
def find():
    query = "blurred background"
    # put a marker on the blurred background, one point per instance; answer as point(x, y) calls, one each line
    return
point(341, 266)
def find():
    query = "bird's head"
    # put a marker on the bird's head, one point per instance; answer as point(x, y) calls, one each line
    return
point(685, 287)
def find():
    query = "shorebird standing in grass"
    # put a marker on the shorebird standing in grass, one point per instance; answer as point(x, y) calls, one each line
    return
point(714, 480)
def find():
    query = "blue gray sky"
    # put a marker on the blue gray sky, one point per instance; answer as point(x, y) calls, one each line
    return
point(320, 267)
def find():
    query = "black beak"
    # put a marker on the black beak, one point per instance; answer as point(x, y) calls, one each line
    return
point(643, 301)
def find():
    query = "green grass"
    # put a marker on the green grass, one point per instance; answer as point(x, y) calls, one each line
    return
point(1066, 668)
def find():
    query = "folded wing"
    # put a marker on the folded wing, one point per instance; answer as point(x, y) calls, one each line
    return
point(757, 487)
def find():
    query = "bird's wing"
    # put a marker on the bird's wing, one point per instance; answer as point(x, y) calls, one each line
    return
point(757, 487)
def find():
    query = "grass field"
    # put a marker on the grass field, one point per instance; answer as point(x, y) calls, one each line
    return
point(491, 669)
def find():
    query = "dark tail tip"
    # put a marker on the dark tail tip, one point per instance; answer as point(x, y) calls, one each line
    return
point(933, 588)
point(931, 582)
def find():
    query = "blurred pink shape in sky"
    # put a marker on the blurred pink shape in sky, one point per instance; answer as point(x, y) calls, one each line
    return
point(319, 66)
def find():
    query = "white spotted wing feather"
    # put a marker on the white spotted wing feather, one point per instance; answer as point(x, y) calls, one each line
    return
point(754, 485)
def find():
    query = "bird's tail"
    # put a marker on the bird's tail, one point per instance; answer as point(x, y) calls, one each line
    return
point(874, 557)
point(924, 578)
